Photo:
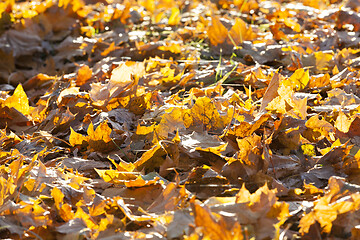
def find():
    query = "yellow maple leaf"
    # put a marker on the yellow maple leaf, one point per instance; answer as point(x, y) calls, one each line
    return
point(343, 123)
point(217, 32)
point(323, 59)
point(299, 80)
point(240, 32)
point(19, 101)
point(76, 138)
point(205, 113)
point(83, 74)
point(101, 133)
point(115, 176)
point(100, 140)
point(212, 227)
point(175, 17)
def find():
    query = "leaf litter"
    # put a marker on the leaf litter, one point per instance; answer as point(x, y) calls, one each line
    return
point(227, 119)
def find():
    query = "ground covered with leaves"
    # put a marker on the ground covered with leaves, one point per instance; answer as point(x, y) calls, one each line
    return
point(174, 119)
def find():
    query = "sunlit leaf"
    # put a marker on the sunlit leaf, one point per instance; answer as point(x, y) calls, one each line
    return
point(217, 32)
point(308, 149)
point(213, 229)
point(323, 60)
point(292, 24)
point(115, 176)
point(101, 133)
point(240, 32)
point(175, 17)
point(18, 100)
point(58, 197)
point(298, 80)
point(84, 74)
point(76, 138)
point(109, 49)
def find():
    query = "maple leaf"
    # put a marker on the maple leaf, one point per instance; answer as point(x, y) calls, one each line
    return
point(326, 210)
point(211, 228)
point(217, 32)
point(240, 32)
point(18, 100)
point(84, 74)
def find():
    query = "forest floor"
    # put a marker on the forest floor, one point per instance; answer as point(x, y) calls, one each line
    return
point(175, 119)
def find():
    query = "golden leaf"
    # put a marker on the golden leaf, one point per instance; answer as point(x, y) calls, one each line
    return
point(343, 123)
point(151, 158)
point(97, 209)
point(101, 133)
point(86, 218)
point(100, 139)
point(66, 212)
point(240, 32)
point(83, 74)
point(217, 32)
point(205, 113)
point(58, 196)
point(149, 5)
point(171, 121)
point(144, 130)
point(323, 60)
point(243, 196)
point(175, 17)
point(213, 229)
point(271, 92)
point(292, 24)
point(18, 100)
point(109, 49)
point(299, 80)
point(115, 176)
point(76, 138)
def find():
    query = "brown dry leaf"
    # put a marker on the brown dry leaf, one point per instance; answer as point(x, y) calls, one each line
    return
point(348, 17)
point(172, 198)
point(24, 42)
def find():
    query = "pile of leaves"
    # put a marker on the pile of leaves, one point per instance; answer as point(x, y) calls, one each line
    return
point(174, 119)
